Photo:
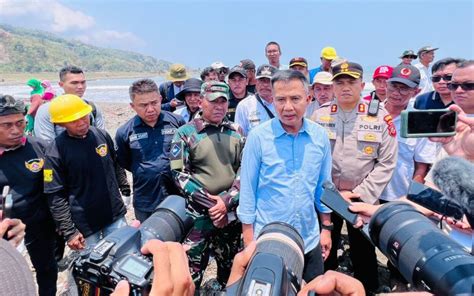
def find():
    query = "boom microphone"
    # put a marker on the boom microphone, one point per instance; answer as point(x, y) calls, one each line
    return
point(454, 176)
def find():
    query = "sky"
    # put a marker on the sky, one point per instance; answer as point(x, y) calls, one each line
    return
point(197, 33)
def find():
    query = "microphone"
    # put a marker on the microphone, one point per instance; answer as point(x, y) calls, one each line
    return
point(454, 176)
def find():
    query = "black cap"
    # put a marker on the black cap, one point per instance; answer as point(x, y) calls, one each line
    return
point(406, 74)
point(8, 105)
point(239, 70)
point(192, 85)
point(351, 69)
point(247, 64)
point(408, 53)
point(266, 71)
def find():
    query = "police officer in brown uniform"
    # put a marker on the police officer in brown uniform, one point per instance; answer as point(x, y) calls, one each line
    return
point(364, 150)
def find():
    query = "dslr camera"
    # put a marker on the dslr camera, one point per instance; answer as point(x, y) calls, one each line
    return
point(118, 257)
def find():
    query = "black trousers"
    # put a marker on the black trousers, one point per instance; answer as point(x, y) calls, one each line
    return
point(313, 264)
point(362, 254)
point(41, 242)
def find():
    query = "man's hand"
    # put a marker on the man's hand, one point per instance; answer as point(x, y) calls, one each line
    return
point(175, 102)
point(78, 242)
point(221, 223)
point(364, 210)
point(333, 281)
point(241, 260)
point(462, 144)
point(349, 195)
point(219, 210)
point(170, 264)
point(326, 243)
point(14, 229)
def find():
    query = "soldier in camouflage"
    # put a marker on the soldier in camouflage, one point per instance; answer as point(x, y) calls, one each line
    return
point(205, 162)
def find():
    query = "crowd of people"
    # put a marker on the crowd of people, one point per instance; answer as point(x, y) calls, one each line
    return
point(244, 145)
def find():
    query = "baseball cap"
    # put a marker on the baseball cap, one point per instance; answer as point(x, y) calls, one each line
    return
point(299, 61)
point(329, 53)
point(383, 72)
point(218, 65)
point(265, 71)
point(239, 70)
point(408, 53)
point(406, 74)
point(192, 85)
point(247, 64)
point(177, 72)
point(213, 90)
point(427, 48)
point(347, 68)
point(9, 105)
point(323, 77)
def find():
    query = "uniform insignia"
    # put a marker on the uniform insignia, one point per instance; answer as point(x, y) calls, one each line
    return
point(405, 71)
point(176, 156)
point(361, 108)
point(102, 150)
point(34, 165)
point(369, 150)
point(370, 137)
point(48, 175)
point(344, 67)
point(369, 118)
point(333, 108)
point(326, 118)
point(168, 131)
point(136, 137)
point(392, 131)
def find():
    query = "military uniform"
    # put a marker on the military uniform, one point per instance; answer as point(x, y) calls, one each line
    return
point(364, 151)
point(205, 158)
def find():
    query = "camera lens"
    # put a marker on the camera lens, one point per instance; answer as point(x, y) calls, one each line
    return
point(169, 222)
point(422, 253)
point(284, 241)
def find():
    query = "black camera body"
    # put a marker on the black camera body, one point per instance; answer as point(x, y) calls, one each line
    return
point(118, 256)
point(276, 268)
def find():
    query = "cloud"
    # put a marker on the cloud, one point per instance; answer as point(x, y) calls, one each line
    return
point(110, 38)
point(65, 19)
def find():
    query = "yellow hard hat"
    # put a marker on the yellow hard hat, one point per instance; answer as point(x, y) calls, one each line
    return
point(67, 108)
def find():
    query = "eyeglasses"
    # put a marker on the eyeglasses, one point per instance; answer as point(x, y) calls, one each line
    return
point(400, 89)
point(466, 86)
point(223, 71)
point(446, 77)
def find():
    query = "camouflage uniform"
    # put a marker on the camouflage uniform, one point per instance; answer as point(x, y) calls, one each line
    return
point(205, 158)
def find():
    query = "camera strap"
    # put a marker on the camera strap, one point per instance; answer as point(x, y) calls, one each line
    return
point(270, 114)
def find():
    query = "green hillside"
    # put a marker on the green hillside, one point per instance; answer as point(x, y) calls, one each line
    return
point(23, 50)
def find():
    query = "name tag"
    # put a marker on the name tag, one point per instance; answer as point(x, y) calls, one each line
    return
point(136, 137)
point(168, 131)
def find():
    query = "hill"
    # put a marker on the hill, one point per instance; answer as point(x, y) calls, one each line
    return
point(27, 51)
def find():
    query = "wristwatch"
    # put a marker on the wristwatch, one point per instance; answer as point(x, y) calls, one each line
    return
point(329, 227)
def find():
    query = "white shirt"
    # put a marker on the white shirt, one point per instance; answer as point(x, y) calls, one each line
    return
point(313, 106)
point(409, 150)
point(425, 78)
point(250, 113)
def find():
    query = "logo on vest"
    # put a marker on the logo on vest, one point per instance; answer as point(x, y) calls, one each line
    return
point(102, 150)
point(34, 165)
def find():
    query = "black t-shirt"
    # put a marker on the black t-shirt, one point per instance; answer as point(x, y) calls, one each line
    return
point(84, 170)
point(22, 170)
point(233, 102)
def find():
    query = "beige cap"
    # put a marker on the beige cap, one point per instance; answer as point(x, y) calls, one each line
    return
point(323, 77)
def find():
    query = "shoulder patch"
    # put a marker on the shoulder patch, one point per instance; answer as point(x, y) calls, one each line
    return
point(48, 176)
point(392, 131)
point(102, 150)
point(176, 156)
point(361, 108)
point(333, 108)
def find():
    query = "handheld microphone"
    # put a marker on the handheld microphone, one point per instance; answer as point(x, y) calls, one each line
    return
point(454, 176)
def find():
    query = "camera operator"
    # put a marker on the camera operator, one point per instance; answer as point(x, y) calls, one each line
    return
point(172, 276)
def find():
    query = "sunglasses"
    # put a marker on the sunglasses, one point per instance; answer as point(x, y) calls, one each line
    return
point(466, 86)
point(446, 77)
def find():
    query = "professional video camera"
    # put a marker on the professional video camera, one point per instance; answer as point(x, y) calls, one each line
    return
point(118, 255)
point(422, 253)
point(276, 268)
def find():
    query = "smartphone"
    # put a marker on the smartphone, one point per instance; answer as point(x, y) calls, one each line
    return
point(333, 199)
point(428, 123)
point(434, 200)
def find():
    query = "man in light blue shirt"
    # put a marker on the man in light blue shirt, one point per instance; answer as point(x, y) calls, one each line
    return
point(285, 162)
